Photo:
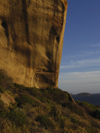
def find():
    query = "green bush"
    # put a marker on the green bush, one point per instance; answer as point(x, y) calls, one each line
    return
point(5, 81)
point(55, 94)
point(23, 99)
point(92, 130)
point(74, 120)
point(90, 109)
point(1, 75)
point(96, 114)
point(18, 116)
point(87, 105)
point(33, 91)
point(3, 110)
point(20, 87)
point(62, 121)
point(1, 104)
point(53, 111)
point(75, 108)
point(45, 121)
point(2, 90)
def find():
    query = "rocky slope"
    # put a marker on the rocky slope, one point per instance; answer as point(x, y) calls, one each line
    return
point(50, 110)
point(31, 40)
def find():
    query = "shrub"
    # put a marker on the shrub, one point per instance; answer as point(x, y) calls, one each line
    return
point(74, 120)
point(3, 113)
point(96, 113)
point(45, 121)
point(87, 106)
point(3, 110)
point(2, 90)
point(18, 116)
point(92, 130)
point(1, 104)
point(91, 109)
point(23, 99)
point(74, 108)
point(53, 111)
point(5, 81)
point(33, 91)
point(1, 75)
point(62, 121)
point(20, 87)
point(55, 95)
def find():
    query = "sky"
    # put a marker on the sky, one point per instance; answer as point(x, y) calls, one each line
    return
point(80, 65)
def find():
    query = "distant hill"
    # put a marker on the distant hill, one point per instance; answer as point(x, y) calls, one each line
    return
point(91, 98)
point(32, 110)
point(84, 94)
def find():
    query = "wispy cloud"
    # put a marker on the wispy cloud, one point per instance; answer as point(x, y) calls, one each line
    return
point(81, 63)
point(88, 53)
point(80, 75)
point(84, 54)
point(76, 82)
point(95, 45)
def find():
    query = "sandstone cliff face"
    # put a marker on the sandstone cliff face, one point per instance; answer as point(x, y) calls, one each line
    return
point(31, 40)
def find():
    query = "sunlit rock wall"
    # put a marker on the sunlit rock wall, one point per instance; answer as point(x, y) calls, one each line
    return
point(31, 40)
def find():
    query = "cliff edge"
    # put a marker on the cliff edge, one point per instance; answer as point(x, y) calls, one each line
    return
point(31, 40)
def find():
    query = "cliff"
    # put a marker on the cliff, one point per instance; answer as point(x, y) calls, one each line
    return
point(31, 40)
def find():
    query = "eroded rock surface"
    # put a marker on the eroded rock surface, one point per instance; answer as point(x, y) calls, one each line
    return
point(31, 40)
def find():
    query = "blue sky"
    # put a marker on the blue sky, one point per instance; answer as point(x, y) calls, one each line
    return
point(80, 65)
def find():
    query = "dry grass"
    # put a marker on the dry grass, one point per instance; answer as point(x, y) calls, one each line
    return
point(45, 111)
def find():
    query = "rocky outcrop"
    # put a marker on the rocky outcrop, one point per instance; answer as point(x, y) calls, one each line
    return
point(7, 98)
point(31, 40)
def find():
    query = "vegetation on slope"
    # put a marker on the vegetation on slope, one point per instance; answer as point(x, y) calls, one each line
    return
point(44, 111)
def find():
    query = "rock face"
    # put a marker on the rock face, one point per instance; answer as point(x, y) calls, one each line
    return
point(31, 40)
